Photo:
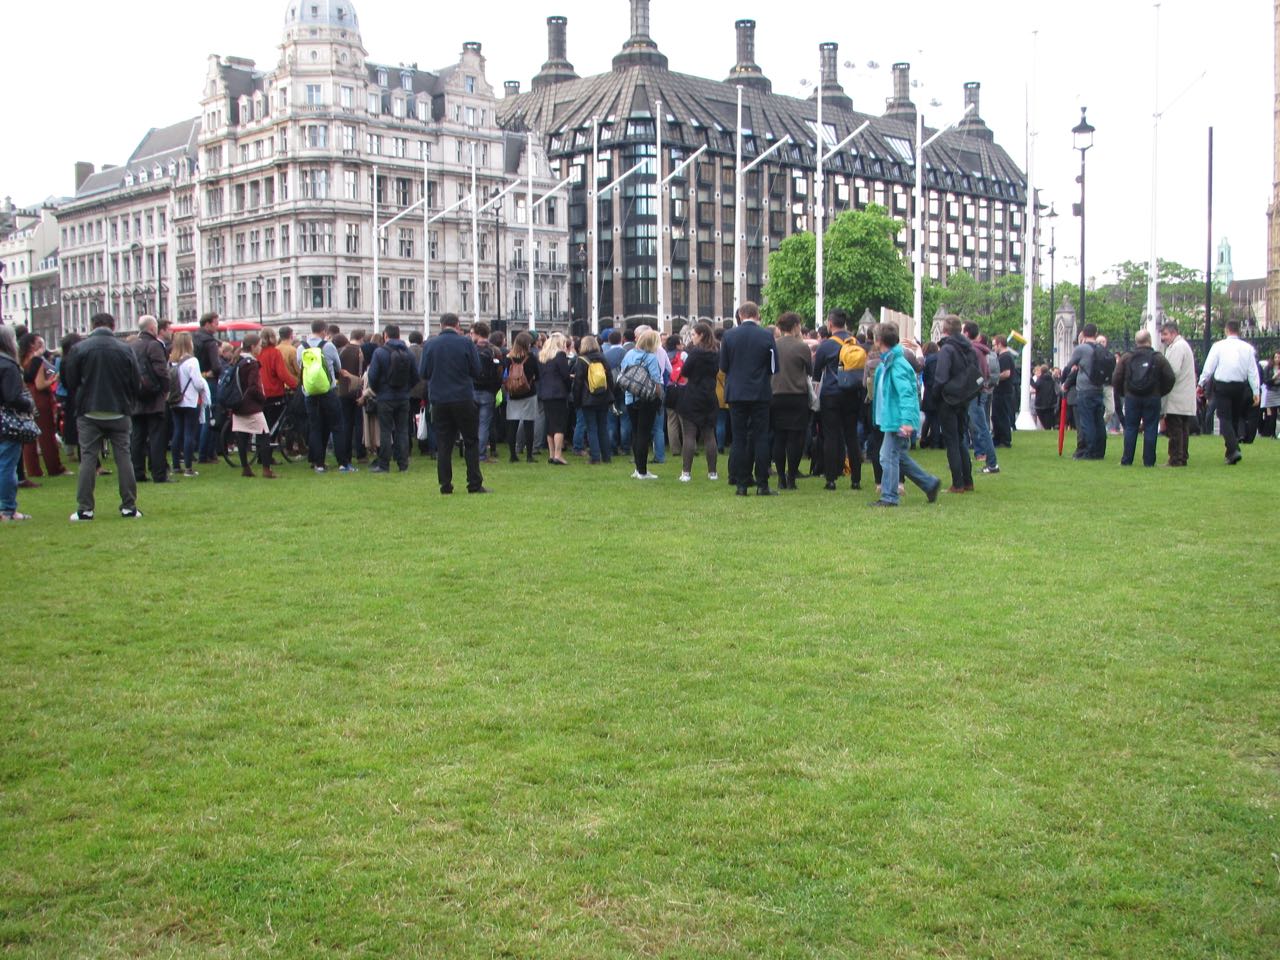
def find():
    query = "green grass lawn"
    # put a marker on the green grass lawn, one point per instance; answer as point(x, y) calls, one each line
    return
point(593, 717)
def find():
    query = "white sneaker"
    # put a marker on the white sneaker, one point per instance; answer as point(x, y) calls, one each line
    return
point(650, 476)
point(636, 475)
point(686, 477)
point(78, 516)
point(713, 476)
point(131, 514)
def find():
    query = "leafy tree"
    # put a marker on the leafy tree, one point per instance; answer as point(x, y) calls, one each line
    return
point(863, 269)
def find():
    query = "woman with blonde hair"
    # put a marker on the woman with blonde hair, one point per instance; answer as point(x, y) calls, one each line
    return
point(554, 385)
point(193, 394)
point(643, 409)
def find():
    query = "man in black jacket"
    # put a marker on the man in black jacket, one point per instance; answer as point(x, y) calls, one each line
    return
point(749, 358)
point(392, 375)
point(209, 356)
point(451, 367)
point(150, 439)
point(102, 373)
point(956, 382)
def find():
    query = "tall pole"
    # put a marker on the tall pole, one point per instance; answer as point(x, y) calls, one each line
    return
point(593, 182)
point(1208, 252)
point(1153, 271)
point(1053, 260)
point(529, 216)
point(377, 247)
point(1082, 290)
point(917, 253)
point(475, 235)
point(426, 248)
point(662, 218)
point(739, 287)
point(1030, 236)
point(819, 212)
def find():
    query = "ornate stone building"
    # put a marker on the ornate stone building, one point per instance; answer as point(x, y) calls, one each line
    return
point(975, 195)
point(28, 270)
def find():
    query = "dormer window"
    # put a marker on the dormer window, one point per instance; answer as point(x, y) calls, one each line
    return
point(315, 10)
point(342, 14)
point(469, 84)
point(406, 81)
point(382, 78)
point(142, 176)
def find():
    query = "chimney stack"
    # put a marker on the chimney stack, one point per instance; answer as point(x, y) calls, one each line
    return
point(972, 124)
point(557, 69)
point(83, 172)
point(900, 105)
point(639, 50)
point(833, 94)
point(512, 88)
point(746, 71)
point(471, 46)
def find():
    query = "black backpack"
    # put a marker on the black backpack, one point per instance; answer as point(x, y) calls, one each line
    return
point(1104, 365)
point(490, 371)
point(399, 369)
point(965, 381)
point(230, 390)
point(1141, 377)
point(176, 386)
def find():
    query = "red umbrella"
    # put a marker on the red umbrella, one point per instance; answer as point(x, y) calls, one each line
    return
point(1062, 424)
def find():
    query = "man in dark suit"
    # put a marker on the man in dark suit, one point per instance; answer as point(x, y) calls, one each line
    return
point(451, 367)
point(749, 357)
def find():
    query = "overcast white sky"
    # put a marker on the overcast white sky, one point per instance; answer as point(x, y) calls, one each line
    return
point(85, 80)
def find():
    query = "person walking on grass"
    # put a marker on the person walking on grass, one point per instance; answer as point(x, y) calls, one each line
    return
point(192, 396)
point(150, 436)
point(103, 374)
point(391, 378)
point(698, 405)
point(789, 408)
point(643, 406)
point(1138, 381)
point(749, 358)
point(958, 381)
point(897, 411)
point(14, 399)
point(451, 366)
point(1232, 366)
point(247, 419)
point(984, 447)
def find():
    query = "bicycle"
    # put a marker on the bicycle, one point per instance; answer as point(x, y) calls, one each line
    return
point(282, 435)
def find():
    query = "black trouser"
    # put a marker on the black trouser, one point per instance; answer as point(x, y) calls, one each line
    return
point(323, 420)
point(352, 425)
point(788, 448)
point(393, 424)
point(953, 419)
point(1048, 417)
point(875, 439)
point(750, 449)
point(454, 420)
point(1002, 418)
point(1267, 423)
point(840, 435)
point(520, 436)
point(1233, 401)
point(263, 443)
point(643, 416)
point(150, 441)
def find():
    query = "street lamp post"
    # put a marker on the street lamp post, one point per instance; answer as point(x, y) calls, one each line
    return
point(1051, 216)
point(1083, 134)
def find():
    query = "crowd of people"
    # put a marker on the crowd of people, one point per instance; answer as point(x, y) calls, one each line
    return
point(166, 402)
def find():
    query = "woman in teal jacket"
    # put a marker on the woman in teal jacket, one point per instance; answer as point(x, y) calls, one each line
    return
point(897, 411)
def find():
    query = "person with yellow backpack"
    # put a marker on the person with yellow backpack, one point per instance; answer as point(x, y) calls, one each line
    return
point(592, 390)
point(840, 364)
point(320, 364)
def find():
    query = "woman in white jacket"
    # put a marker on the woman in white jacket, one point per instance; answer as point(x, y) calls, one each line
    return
point(194, 396)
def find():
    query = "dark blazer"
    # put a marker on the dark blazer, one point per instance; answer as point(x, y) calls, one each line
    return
point(151, 357)
point(748, 357)
point(451, 366)
point(380, 370)
point(697, 402)
point(554, 378)
point(102, 373)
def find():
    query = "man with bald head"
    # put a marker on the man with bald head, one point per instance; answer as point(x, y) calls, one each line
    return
point(149, 440)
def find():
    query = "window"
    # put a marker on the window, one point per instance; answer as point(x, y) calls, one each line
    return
point(397, 107)
point(382, 77)
point(464, 294)
point(384, 293)
point(213, 252)
point(315, 136)
point(406, 80)
point(350, 185)
point(406, 243)
point(286, 291)
point(471, 116)
point(212, 203)
point(271, 296)
point(217, 298)
point(315, 236)
point(346, 97)
point(433, 244)
point(375, 104)
point(404, 191)
point(242, 300)
point(315, 183)
point(484, 296)
point(353, 293)
point(348, 138)
point(373, 144)
point(424, 150)
point(284, 185)
point(284, 242)
point(435, 296)
point(550, 206)
point(315, 95)
point(317, 293)
point(353, 238)
point(240, 248)
point(406, 294)
point(269, 242)
point(399, 147)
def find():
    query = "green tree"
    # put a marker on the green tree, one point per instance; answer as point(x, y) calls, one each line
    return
point(863, 268)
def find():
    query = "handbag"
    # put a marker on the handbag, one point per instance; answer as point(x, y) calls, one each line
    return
point(18, 426)
point(815, 395)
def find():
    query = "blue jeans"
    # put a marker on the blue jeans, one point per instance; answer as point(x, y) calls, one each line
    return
point(1090, 423)
point(580, 433)
point(895, 456)
point(1146, 409)
point(980, 428)
point(485, 406)
point(624, 431)
point(10, 454)
point(660, 435)
point(186, 425)
point(616, 425)
point(722, 428)
point(595, 430)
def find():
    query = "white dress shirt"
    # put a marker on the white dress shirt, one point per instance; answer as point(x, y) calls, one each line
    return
point(1232, 361)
